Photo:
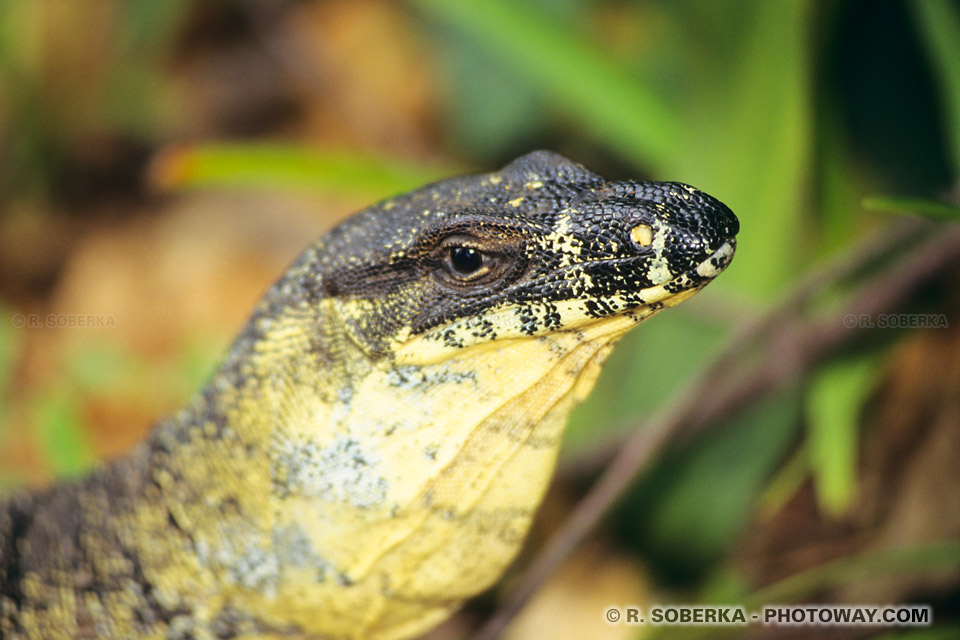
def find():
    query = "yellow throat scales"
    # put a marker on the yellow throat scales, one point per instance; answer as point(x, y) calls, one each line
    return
point(374, 447)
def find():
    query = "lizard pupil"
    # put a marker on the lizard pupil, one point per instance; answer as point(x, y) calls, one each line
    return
point(465, 260)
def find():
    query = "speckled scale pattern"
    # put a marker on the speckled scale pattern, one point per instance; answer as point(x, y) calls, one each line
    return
point(373, 448)
point(566, 220)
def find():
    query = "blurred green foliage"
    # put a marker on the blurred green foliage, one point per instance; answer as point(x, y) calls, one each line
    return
point(60, 431)
point(692, 504)
point(98, 368)
point(72, 72)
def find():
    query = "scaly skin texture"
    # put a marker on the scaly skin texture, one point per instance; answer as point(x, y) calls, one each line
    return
point(372, 450)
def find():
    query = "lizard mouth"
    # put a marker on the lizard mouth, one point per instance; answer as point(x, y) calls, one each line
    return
point(715, 262)
point(686, 284)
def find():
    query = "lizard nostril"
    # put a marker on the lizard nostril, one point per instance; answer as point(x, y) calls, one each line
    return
point(642, 234)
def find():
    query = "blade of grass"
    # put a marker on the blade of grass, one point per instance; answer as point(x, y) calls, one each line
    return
point(284, 166)
point(836, 175)
point(601, 93)
point(939, 21)
point(754, 145)
point(925, 208)
point(833, 406)
point(855, 568)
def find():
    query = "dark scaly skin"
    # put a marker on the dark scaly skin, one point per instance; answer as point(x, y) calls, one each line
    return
point(373, 448)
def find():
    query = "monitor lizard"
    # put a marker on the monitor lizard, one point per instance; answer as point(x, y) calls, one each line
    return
point(373, 448)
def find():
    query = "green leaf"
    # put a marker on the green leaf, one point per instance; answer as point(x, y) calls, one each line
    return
point(572, 72)
point(836, 396)
point(926, 208)
point(285, 166)
point(939, 22)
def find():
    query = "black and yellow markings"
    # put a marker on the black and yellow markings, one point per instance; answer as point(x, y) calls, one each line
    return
point(375, 445)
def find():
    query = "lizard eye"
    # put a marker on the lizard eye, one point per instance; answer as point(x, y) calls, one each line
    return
point(468, 265)
point(465, 261)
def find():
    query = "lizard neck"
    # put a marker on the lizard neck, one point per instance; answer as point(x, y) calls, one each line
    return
point(308, 475)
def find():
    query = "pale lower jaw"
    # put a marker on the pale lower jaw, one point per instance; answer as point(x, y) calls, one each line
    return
point(718, 260)
point(689, 282)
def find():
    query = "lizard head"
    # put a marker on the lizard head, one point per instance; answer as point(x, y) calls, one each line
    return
point(449, 333)
point(544, 245)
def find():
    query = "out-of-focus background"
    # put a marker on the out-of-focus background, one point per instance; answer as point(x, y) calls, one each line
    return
point(161, 163)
